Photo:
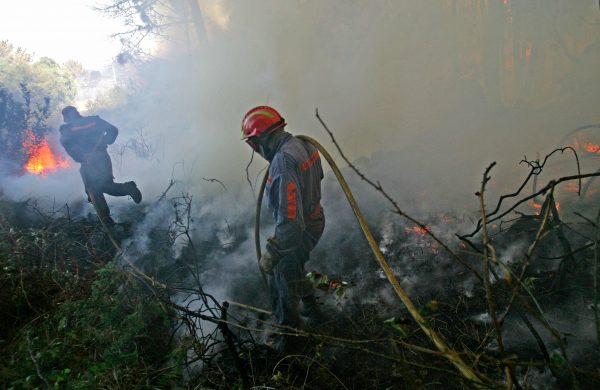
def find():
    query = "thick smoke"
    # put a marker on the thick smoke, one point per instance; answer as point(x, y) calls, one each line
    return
point(421, 95)
point(432, 92)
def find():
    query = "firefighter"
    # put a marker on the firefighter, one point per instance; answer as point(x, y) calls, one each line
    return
point(293, 192)
point(85, 138)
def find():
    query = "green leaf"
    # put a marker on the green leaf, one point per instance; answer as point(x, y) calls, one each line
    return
point(318, 280)
point(558, 359)
point(393, 322)
point(277, 377)
point(62, 324)
point(530, 282)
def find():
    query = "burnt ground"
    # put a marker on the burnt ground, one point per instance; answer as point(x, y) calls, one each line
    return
point(542, 290)
point(367, 339)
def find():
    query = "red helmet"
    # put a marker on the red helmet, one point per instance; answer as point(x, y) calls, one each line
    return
point(261, 120)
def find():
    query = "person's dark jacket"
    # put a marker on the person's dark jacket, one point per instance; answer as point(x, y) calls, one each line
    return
point(86, 135)
point(293, 195)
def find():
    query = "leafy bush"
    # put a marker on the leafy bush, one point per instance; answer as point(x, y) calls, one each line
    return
point(113, 338)
point(30, 94)
point(70, 320)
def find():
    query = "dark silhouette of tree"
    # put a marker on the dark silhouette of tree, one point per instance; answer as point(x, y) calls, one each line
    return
point(152, 19)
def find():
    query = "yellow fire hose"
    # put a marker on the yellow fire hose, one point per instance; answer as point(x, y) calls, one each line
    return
point(441, 345)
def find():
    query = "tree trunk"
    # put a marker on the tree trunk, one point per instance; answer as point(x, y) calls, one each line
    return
point(198, 21)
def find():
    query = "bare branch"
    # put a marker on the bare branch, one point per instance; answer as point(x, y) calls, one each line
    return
point(216, 181)
point(379, 188)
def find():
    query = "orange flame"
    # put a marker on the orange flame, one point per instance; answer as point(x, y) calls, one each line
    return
point(592, 147)
point(539, 205)
point(416, 229)
point(42, 159)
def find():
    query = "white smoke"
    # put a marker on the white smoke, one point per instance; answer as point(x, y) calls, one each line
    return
point(427, 83)
point(422, 95)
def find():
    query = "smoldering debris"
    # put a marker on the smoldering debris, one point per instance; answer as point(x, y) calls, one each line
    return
point(202, 249)
point(206, 257)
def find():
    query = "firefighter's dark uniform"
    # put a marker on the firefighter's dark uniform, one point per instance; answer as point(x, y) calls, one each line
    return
point(293, 195)
point(85, 139)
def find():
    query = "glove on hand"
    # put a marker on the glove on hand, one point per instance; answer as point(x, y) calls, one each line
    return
point(268, 261)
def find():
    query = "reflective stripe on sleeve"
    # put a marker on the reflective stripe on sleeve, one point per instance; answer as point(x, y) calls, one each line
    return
point(83, 127)
point(291, 200)
point(310, 162)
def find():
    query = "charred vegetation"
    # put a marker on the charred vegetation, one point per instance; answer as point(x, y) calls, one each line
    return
point(515, 298)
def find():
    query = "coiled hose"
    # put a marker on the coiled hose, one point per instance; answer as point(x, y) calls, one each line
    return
point(441, 345)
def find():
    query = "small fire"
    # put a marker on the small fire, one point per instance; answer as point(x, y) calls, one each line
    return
point(592, 147)
point(539, 205)
point(42, 159)
point(585, 146)
point(416, 229)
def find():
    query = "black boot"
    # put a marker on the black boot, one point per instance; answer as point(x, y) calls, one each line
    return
point(134, 192)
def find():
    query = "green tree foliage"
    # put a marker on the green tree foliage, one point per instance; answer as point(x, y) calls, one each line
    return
point(109, 339)
point(110, 99)
point(17, 117)
point(45, 79)
point(74, 68)
point(30, 92)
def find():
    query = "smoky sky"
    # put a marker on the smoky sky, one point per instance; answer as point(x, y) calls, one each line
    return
point(442, 89)
point(427, 94)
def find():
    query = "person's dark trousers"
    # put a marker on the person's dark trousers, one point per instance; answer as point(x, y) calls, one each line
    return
point(97, 175)
point(287, 285)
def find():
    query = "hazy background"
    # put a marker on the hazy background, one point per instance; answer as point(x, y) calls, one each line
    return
point(431, 91)
point(422, 95)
